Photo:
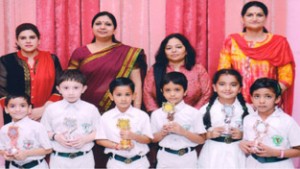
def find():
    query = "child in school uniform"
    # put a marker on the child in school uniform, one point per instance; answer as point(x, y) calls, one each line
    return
point(271, 137)
point(72, 124)
point(223, 118)
point(177, 127)
point(127, 128)
point(23, 142)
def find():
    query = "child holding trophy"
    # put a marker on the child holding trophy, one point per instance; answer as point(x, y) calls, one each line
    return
point(23, 142)
point(223, 117)
point(72, 124)
point(177, 127)
point(127, 128)
point(271, 137)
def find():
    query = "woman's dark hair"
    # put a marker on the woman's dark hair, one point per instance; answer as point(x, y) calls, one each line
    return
point(113, 20)
point(176, 78)
point(72, 75)
point(121, 81)
point(161, 62)
point(17, 95)
point(24, 27)
point(256, 4)
point(266, 83)
point(237, 75)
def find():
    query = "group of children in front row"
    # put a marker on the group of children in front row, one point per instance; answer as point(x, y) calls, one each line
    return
point(235, 136)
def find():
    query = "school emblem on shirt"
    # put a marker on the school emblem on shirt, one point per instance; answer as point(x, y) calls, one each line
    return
point(277, 140)
point(27, 144)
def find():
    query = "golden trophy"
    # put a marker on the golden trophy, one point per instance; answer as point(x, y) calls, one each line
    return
point(124, 124)
point(169, 108)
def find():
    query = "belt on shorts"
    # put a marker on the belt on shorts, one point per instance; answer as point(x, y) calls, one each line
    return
point(28, 165)
point(227, 140)
point(125, 160)
point(267, 159)
point(71, 155)
point(179, 152)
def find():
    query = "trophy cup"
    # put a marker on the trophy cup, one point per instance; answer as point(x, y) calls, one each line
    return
point(169, 108)
point(124, 124)
point(13, 134)
point(71, 125)
point(261, 129)
point(228, 111)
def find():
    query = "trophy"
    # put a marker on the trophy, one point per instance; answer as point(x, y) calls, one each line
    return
point(228, 111)
point(169, 108)
point(13, 134)
point(124, 124)
point(261, 129)
point(71, 125)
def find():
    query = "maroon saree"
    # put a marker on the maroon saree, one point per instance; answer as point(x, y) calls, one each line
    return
point(102, 67)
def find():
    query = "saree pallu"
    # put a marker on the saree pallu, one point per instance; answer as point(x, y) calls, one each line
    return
point(271, 58)
point(102, 67)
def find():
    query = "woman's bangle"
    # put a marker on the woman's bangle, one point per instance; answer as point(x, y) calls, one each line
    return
point(281, 154)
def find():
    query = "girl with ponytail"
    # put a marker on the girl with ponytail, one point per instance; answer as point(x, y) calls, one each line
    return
point(223, 118)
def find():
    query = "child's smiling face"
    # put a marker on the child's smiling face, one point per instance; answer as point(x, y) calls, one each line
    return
point(18, 108)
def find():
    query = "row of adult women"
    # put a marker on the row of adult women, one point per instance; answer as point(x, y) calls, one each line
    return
point(254, 53)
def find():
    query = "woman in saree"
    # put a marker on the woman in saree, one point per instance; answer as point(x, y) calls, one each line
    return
point(103, 60)
point(106, 59)
point(30, 71)
point(256, 53)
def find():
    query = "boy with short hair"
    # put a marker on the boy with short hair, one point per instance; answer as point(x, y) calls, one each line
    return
point(23, 141)
point(72, 124)
point(127, 128)
point(177, 127)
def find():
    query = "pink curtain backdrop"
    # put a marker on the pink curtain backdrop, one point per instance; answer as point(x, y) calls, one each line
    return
point(66, 25)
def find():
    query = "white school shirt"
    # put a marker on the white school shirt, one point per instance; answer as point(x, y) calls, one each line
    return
point(83, 115)
point(185, 115)
point(139, 123)
point(32, 135)
point(283, 133)
point(227, 155)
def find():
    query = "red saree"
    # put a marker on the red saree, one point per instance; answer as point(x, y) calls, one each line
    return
point(277, 51)
point(102, 67)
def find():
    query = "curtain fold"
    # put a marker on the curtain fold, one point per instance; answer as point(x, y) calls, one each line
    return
point(190, 19)
point(65, 25)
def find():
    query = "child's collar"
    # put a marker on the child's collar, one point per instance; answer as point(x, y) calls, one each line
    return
point(275, 113)
point(127, 112)
point(66, 103)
